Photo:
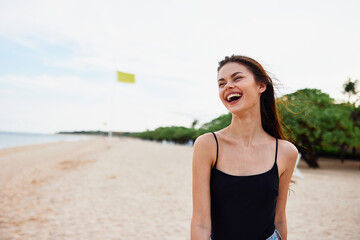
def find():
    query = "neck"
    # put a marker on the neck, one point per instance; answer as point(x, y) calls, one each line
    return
point(247, 128)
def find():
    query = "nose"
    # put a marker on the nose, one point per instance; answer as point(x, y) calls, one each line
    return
point(229, 84)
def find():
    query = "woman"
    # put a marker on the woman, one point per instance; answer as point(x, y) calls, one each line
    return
point(241, 174)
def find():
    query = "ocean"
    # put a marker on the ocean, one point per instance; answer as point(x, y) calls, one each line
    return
point(14, 139)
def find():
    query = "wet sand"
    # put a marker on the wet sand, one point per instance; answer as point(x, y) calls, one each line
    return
point(142, 190)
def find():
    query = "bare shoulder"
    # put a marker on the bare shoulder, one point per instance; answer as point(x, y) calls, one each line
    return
point(205, 147)
point(287, 148)
point(287, 154)
point(204, 141)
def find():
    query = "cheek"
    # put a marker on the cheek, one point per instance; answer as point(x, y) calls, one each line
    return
point(221, 93)
point(251, 88)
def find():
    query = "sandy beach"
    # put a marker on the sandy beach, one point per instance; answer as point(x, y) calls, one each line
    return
point(142, 190)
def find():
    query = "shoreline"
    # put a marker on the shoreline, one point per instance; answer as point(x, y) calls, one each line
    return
point(17, 139)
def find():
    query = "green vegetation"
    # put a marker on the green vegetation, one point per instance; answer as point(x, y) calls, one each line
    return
point(174, 133)
point(183, 134)
point(317, 125)
point(312, 120)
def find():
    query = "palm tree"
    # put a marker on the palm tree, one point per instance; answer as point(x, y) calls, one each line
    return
point(350, 88)
point(194, 123)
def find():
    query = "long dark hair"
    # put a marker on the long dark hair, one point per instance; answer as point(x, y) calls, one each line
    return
point(269, 116)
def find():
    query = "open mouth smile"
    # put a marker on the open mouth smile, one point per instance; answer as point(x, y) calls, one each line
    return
point(233, 97)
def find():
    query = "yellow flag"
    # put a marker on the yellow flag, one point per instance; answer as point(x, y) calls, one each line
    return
point(126, 77)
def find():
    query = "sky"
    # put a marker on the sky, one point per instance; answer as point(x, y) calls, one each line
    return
point(58, 59)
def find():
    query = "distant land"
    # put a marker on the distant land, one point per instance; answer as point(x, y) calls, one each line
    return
point(99, 133)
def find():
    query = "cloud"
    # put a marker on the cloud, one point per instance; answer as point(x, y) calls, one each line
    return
point(173, 48)
point(64, 85)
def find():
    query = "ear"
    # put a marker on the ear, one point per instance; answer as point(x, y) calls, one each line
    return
point(261, 87)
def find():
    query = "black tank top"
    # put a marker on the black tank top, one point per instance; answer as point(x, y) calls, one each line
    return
point(243, 207)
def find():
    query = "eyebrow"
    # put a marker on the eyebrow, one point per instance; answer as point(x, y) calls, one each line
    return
point(232, 75)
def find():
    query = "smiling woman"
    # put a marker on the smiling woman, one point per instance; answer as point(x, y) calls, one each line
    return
point(247, 67)
point(241, 174)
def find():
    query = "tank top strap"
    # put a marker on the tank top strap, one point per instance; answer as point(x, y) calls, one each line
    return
point(217, 148)
point(276, 149)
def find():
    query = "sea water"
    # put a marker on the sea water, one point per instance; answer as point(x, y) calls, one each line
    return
point(15, 139)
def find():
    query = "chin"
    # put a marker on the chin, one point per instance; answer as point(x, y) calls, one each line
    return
point(236, 111)
point(239, 110)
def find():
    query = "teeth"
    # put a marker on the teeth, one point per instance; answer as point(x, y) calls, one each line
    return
point(233, 95)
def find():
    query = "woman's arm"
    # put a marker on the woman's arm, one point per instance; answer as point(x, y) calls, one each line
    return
point(203, 155)
point(286, 164)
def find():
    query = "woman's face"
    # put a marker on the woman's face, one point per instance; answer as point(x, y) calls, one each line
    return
point(238, 89)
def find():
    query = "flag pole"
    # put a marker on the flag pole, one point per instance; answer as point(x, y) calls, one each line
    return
point(121, 77)
point(111, 114)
